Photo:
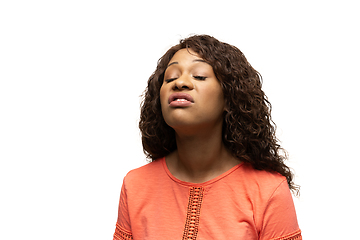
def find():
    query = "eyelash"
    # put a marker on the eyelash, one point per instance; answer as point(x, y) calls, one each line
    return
point(170, 80)
point(201, 78)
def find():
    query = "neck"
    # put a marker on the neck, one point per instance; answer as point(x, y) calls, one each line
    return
point(200, 157)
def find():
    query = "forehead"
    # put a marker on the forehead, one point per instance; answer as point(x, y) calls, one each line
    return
point(185, 54)
point(187, 58)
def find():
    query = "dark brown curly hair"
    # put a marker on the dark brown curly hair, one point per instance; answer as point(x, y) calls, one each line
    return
point(248, 130)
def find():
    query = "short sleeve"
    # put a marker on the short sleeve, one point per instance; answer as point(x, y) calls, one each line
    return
point(280, 221)
point(123, 227)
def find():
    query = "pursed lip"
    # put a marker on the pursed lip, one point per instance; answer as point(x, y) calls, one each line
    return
point(185, 96)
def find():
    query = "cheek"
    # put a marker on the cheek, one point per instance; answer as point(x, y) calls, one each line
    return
point(163, 98)
point(216, 96)
point(221, 103)
point(162, 95)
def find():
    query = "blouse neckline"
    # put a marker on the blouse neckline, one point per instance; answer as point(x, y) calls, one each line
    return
point(221, 176)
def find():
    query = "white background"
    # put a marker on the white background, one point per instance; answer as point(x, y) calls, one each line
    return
point(72, 72)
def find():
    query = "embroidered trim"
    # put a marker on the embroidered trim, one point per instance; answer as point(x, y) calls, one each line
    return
point(193, 213)
point(293, 236)
point(122, 234)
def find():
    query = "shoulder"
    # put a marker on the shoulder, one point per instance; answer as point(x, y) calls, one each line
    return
point(259, 186)
point(261, 180)
point(144, 174)
point(272, 203)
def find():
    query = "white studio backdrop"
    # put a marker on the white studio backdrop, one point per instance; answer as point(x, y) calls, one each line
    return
point(71, 73)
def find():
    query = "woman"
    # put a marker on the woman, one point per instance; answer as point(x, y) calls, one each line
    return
point(216, 170)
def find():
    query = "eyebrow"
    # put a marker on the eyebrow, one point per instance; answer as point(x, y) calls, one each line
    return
point(196, 60)
point(172, 64)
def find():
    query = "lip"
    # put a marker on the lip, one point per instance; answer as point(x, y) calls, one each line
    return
point(188, 100)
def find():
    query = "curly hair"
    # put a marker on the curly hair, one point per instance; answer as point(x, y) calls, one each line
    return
point(248, 130)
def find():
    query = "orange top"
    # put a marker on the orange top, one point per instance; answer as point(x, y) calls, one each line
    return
point(242, 203)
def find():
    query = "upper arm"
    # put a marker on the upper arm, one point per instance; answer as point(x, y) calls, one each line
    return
point(123, 226)
point(280, 221)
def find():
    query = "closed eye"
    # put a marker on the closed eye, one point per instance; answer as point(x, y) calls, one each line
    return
point(169, 80)
point(200, 77)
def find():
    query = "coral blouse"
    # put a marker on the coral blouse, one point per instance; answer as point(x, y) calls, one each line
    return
point(242, 203)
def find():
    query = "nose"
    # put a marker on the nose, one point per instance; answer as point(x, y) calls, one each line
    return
point(182, 83)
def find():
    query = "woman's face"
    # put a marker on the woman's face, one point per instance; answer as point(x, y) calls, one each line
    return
point(191, 96)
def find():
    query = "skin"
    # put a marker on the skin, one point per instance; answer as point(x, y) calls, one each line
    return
point(201, 154)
